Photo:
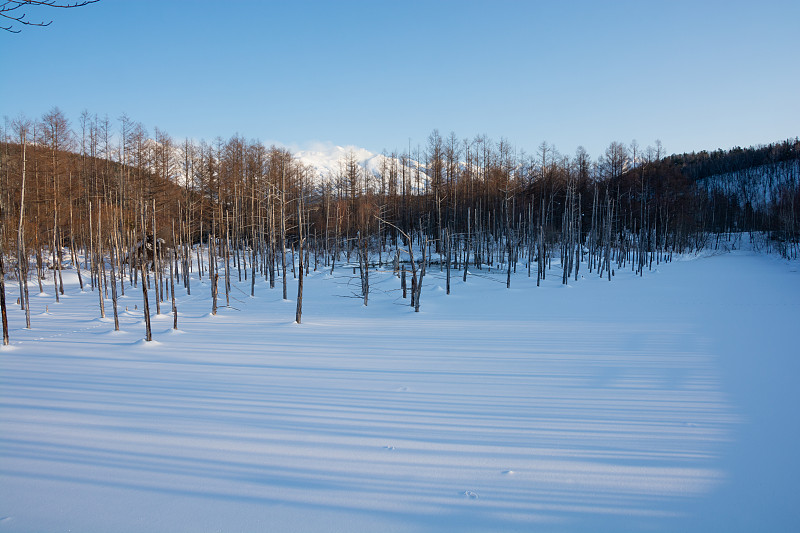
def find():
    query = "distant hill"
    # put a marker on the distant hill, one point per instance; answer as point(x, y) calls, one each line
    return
point(704, 164)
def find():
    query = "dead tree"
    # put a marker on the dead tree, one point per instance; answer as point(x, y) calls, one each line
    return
point(173, 269)
point(98, 261)
point(363, 265)
point(418, 284)
point(299, 311)
point(448, 248)
point(156, 263)
point(283, 229)
point(114, 283)
point(143, 268)
point(3, 292)
point(212, 268)
point(22, 255)
point(467, 245)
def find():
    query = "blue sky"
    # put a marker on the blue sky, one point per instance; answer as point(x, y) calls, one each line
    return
point(696, 75)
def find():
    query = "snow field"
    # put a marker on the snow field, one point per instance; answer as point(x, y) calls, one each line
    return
point(600, 406)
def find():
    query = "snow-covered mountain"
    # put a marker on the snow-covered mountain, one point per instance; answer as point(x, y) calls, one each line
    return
point(329, 162)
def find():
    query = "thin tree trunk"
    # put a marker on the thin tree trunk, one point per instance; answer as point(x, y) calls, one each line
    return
point(467, 245)
point(75, 260)
point(173, 265)
point(227, 261)
point(53, 253)
point(448, 249)
point(299, 312)
point(143, 268)
point(99, 265)
point(114, 284)
point(3, 311)
point(212, 270)
point(418, 287)
point(22, 256)
point(156, 264)
point(283, 232)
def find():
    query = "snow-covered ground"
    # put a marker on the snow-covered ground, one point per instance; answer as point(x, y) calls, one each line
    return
point(662, 403)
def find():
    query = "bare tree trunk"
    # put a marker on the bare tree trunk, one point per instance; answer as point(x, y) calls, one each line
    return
point(90, 254)
point(143, 268)
point(253, 267)
point(173, 265)
point(3, 295)
point(448, 248)
point(26, 296)
point(145, 302)
point(509, 244)
point(99, 265)
point(199, 252)
point(22, 256)
point(75, 260)
point(413, 285)
point(467, 245)
point(283, 232)
point(187, 262)
point(156, 263)
point(299, 312)
point(363, 264)
point(418, 288)
point(227, 261)
point(212, 270)
point(53, 253)
point(39, 268)
point(59, 256)
point(114, 284)
point(118, 223)
point(540, 256)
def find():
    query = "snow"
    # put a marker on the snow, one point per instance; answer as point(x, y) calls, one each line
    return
point(328, 162)
point(662, 403)
point(328, 159)
point(761, 186)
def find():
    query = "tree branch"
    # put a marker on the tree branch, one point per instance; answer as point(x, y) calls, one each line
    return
point(8, 6)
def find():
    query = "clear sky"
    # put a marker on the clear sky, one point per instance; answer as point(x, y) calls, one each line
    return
point(695, 74)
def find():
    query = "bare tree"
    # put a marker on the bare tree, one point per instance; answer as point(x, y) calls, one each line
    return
point(16, 10)
point(22, 256)
point(615, 160)
point(3, 311)
point(299, 311)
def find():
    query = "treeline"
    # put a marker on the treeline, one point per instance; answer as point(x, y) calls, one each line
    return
point(746, 189)
point(123, 206)
point(703, 164)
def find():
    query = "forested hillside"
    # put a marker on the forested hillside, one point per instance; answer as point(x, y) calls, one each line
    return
point(94, 196)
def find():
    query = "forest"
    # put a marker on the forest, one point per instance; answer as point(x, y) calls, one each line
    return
point(130, 210)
